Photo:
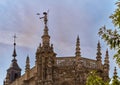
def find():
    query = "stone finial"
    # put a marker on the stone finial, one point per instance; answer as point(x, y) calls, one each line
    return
point(106, 61)
point(78, 53)
point(99, 52)
point(27, 64)
point(115, 73)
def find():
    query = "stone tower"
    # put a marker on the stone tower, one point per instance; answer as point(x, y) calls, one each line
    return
point(14, 70)
point(45, 58)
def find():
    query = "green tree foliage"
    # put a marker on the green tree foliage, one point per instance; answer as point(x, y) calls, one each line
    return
point(115, 82)
point(94, 79)
point(112, 37)
point(113, 40)
point(116, 16)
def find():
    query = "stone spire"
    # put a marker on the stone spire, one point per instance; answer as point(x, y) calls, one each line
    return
point(78, 63)
point(14, 50)
point(98, 57)
point(115, 73)
point(106, 61)
point(27, 67)
point(106, 66)
point(78, 53)
point(45, 37)
point(99, 52)
point(115, 80)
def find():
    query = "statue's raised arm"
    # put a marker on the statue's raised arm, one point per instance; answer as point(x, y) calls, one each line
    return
point(45, 18)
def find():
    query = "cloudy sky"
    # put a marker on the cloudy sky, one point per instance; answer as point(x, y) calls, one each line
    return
point(67, 19)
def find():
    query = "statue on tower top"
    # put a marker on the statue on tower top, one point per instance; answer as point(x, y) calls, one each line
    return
point(45, 37)
point(44, 17)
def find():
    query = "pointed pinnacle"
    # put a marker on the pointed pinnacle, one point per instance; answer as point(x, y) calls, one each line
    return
point(115, 71)
point(14, 51)
point(27, 64)
point(78, 47)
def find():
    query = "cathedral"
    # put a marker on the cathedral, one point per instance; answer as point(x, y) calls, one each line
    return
point(52, 70)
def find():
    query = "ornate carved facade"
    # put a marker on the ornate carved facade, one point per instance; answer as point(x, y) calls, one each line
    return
point(52, 70)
